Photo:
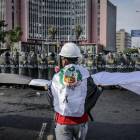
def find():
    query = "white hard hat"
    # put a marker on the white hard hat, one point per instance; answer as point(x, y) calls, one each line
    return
point(70, 50)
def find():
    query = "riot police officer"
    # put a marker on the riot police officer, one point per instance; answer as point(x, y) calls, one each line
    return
point(121, 67)
point(15, 63)
point(42, 67)
point(23, 64)
point(137, 63)
point(111, 63)
point(91, 63)
point(81, 60)
point(51, 65)
point(33, 65)
point(129, 62)
point(5, 62)
point(101, 62)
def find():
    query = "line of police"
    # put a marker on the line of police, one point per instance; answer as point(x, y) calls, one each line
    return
point(42, 65)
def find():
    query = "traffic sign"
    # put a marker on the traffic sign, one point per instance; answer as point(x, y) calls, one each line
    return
point(135, 33)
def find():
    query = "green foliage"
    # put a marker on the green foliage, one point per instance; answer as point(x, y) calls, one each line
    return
point(130, 50)
point(52, 31)
point(14, 35)
point(2, 31)
point(78, 30)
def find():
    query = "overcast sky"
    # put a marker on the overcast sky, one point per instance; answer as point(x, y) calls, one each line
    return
point(127, 17)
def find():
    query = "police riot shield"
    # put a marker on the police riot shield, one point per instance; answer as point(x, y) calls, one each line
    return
point(121, 64)
point(137, 63)
point(14, 63)
point(111, 64)
point(5, 64)
point(56, 58)
point(0, 62)
point(101, 62)
point(51, 66)
point(59, 61)
point(42, 67)
point(23, 64)
point(33, 65)
point(129, 63)
point(91, 64)
point(81, 61)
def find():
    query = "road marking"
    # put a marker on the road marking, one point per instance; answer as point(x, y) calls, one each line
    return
point(51, 135)
point(42, 131)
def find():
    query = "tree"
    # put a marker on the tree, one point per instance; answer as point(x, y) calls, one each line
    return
point(2, 31)
point(52, 31)
point(78, 30)
point(130, 50)
point(14, 35)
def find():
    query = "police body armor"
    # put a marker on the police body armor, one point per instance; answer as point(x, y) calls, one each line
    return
point(121, 64)
point(51, 65)
point(111, 63)
point(33, 65)
point(137, 63)
point(15, 63)
point(23, 64)
point(91, 64)
point(42, 67)
point(101, 62)
point(5, 63)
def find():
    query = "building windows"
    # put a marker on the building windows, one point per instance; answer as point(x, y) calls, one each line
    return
point(61, 14)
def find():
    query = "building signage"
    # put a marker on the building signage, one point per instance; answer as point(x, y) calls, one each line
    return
point(135, 33)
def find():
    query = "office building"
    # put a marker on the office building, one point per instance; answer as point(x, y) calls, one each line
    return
point(123, 40)
point(97, 18)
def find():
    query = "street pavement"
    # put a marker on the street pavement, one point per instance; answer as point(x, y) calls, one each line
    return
point(27, 115)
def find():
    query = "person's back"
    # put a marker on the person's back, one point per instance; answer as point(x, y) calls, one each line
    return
point(71, 88)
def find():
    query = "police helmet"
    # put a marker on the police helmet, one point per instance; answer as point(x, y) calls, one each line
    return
point(101, 53)
point(90, 55)
point(24, 54)
point(33, 54)
point(51, 54)
point(120, 53)
point(6, 54)
point(43, 56)
point(15, 55)
point(128, 54)
point(110, 54)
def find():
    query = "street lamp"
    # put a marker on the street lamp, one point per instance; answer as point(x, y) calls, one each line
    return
point(137, 11)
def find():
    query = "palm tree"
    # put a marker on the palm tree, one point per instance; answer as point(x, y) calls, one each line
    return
point(52, 31)
point(78, 30)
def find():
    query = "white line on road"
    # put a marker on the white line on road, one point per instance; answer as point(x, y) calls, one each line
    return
point(42, 131)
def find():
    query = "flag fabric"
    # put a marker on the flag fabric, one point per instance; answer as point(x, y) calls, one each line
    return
point(69, 89)
point(130, 81)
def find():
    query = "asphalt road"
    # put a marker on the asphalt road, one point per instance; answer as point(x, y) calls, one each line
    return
point(24, 115)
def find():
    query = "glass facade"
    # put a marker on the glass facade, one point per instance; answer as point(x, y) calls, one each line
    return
point(63, 14)
point(2, 9)
point(2, 16)
point(12, 13)
point(98, 21)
